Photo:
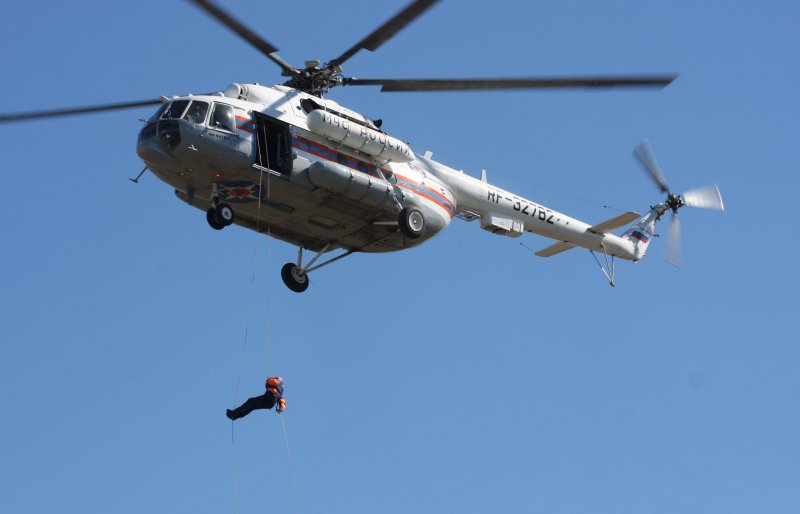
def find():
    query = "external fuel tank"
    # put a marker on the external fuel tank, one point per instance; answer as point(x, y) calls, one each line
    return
point(358, 137)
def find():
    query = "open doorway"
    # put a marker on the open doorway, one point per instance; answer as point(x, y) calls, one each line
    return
point(273, 144)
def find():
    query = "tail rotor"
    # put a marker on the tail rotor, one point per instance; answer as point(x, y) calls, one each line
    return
point(672, 250)
point(706, 197)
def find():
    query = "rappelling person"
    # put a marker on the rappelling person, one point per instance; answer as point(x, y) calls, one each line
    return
point(272, 397)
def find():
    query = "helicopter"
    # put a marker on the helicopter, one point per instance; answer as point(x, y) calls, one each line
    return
point(288, 162)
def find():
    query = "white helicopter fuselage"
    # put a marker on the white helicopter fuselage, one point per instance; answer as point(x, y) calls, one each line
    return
point(320, 176)
point(283, 161)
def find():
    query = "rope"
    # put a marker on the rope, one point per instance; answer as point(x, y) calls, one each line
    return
point(268, 316)
point(235, 474)
point(244, 348)
point(268, 303)
point(268, 306)
point(238, 383)
point(269, 352)
point(291, 466)
point(250, 295)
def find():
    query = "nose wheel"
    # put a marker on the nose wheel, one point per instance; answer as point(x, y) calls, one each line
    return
point(220, 216)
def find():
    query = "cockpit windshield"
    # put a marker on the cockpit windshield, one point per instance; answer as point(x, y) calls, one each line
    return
point(175, 110)
point(159, 112)
point(192, 110)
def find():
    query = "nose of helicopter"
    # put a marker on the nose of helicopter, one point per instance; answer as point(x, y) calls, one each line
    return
point(157, 140)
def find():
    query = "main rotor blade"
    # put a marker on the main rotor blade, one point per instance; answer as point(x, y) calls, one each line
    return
point(386, 31)
point(55, 113)
point(394, 85)
point(648, 159)
point(707, 197)
point(258, 42)
point(672, 251)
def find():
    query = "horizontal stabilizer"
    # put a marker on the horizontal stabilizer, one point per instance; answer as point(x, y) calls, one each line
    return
point(561, 246)
point(616, 222)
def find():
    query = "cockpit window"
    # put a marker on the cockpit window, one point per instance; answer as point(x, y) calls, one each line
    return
point(197, 112)
point(159, 112)
point(175, 110)
point(223, 117)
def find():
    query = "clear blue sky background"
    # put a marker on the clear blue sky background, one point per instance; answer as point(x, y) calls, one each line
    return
point(466, 375)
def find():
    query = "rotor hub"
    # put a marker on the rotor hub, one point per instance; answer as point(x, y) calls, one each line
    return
point(316, 81)
point(674, 202)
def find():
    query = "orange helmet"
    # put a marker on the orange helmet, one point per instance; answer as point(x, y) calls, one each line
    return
point(274, 382)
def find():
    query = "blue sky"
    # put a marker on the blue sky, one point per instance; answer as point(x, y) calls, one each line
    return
point(465, 375)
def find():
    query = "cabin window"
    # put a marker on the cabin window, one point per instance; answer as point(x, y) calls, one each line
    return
point(342, 159)
point(175, 110)
point(223, 118)
point(196, 113)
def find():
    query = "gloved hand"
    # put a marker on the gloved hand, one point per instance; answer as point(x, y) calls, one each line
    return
point(281, 406)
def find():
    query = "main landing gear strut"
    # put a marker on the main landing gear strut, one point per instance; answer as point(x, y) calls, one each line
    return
point(220, 214)
point(295, 276)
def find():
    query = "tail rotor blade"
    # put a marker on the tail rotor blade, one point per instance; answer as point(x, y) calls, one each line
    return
point(707, 197)
point(672, 251)
point(648, 159)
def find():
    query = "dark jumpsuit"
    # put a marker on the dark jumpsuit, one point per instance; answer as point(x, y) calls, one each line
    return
point(265, 401)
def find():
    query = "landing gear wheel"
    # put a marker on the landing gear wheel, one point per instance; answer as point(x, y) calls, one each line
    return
point(293, 278)
point(212, 220)
point(224, 214)
point(412, 222)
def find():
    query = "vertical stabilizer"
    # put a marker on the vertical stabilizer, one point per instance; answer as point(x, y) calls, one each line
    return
point(642, 233)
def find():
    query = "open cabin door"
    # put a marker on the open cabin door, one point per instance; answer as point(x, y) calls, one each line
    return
point(273, 145)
